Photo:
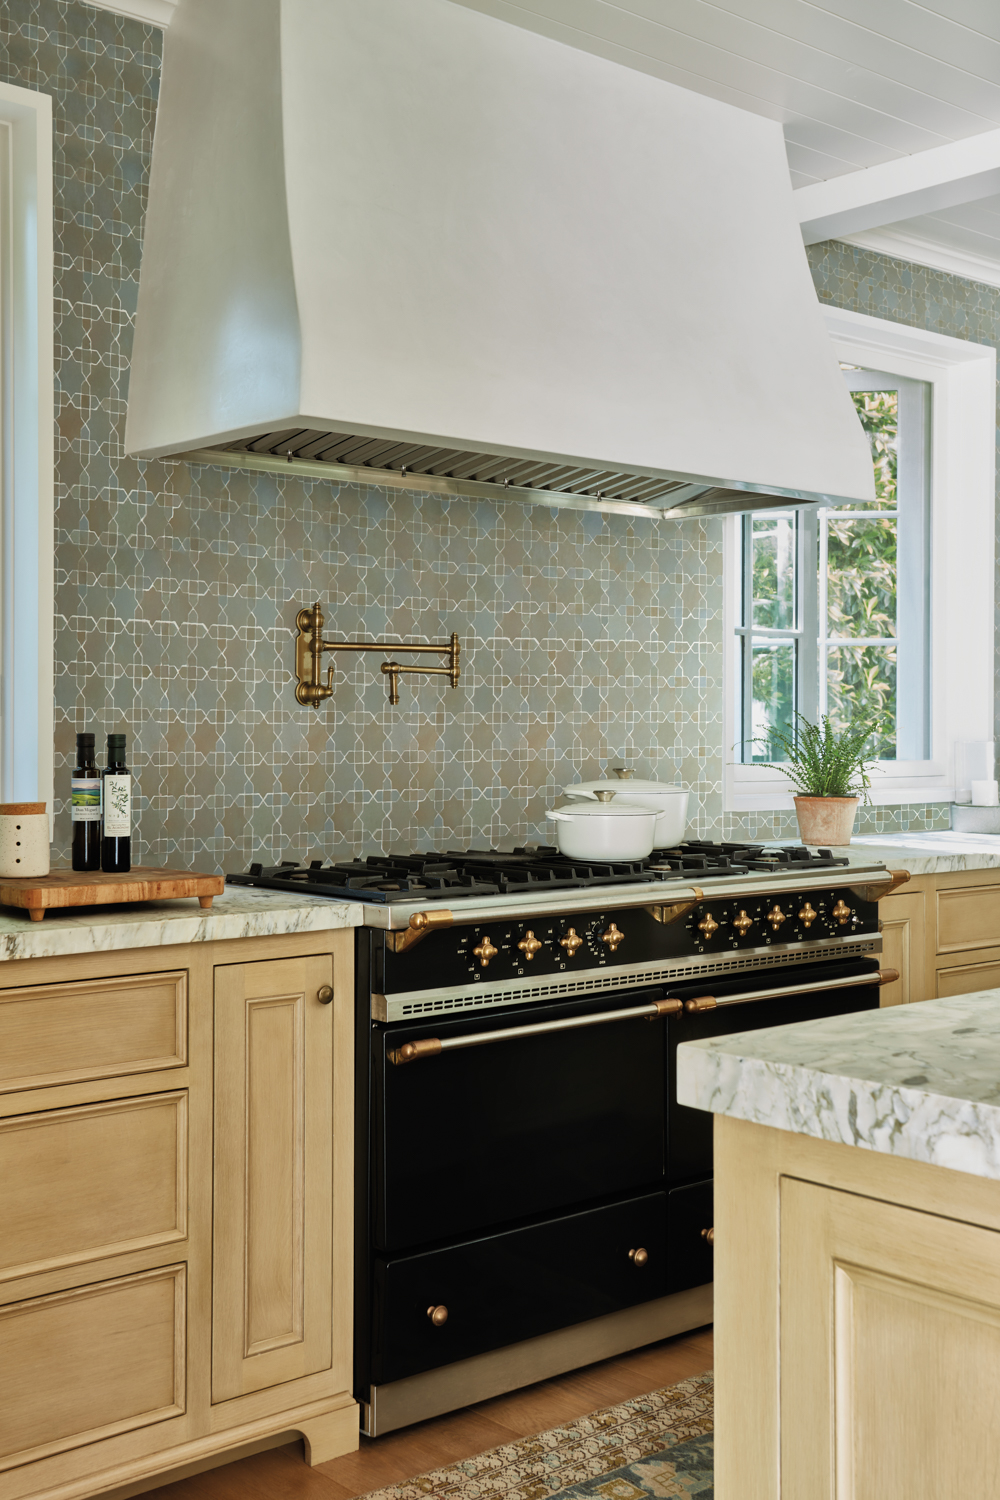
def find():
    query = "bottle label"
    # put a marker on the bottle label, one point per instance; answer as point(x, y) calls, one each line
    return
point(118, 806)
point(86, 800)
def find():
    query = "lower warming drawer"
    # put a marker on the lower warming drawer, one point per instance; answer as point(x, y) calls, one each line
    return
point(513, 1286)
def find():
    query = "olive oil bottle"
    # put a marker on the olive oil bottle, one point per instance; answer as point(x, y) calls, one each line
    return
point(116, 790)
point(86, 806)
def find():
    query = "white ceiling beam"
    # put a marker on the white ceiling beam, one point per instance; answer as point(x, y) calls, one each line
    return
point(930, 180)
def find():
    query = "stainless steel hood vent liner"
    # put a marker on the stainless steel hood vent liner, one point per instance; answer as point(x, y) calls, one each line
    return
point(403, 243)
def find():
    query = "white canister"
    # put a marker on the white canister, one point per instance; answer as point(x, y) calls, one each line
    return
point(24, 839)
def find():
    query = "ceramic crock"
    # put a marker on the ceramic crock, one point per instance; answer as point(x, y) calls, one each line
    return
point(595, 830)
point(24, 839)
point(670, 804)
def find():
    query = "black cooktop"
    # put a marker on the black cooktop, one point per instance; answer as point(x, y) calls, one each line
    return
point(520, 872)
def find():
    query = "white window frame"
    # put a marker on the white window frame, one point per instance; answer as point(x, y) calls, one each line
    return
point(27, 444)
point(961, 547)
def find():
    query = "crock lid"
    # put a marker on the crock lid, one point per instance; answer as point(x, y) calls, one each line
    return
point(622, 788)
point(616, 809)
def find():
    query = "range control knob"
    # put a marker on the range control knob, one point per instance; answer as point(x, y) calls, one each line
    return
point(842, 913)
point(776, 916)
point(484, 951)
point(807, 916)
point(743, 923)
point(571, 942)
point(529, 945)
point(708, 925)
point(612, 938)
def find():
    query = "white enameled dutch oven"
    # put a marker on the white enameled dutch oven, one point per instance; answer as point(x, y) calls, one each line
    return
point(670, 803)
point(604, 829)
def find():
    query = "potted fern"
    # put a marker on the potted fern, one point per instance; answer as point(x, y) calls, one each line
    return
point(829, 769)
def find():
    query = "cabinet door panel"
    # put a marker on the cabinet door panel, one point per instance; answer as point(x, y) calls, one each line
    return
point(99, 1180)
point(90, 1363)
point(903, 942)
point(890, 1321)
point(968, 917)
point(272, 1275)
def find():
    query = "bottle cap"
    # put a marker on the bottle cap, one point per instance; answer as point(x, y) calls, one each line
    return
point(85, 739)
point(116, 741)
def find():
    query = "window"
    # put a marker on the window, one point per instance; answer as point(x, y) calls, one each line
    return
point(834, 602)
point(920, 635)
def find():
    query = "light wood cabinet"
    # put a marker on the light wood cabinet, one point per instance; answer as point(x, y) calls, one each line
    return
point(942, 933)
point(857, 1325)
point(176, 1226)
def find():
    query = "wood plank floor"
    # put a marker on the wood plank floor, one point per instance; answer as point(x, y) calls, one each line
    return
point(280, 1474)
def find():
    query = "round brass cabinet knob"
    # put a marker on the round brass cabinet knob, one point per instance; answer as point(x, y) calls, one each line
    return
point(638, 1257)
point(571, 942)
point(612, 937)
point(529, 945)
point(484, 951)
point(325, 995)
point(438, 1315)
point(708, 1234)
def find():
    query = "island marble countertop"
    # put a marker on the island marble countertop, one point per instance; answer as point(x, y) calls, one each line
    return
point(921, 1081)
point(236, 913)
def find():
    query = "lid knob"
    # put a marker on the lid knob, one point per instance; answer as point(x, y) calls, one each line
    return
point(604, 796)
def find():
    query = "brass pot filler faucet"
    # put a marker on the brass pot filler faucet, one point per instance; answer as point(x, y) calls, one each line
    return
point(310, 645)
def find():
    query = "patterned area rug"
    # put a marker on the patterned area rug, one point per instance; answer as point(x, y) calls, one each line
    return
point(655, 1445)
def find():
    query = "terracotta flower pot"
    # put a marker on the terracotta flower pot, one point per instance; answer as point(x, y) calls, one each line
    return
point(826, 820)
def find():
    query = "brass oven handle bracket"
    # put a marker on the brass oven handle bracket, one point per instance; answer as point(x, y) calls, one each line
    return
point(677, 909)
point(310, 687)
point(879, 892)
point(421, 923)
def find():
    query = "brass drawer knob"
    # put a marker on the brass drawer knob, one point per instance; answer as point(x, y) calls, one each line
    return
point(324, 995)
point(638, 1257)
point(708, 1234)
point(438, 1315)
point(484, 951)
point(529, 945)
point(571, 942)
point(612, 937)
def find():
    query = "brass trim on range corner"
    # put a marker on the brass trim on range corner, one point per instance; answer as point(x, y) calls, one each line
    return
point(433, 1392)
point(421, 923)
point(310, 645)
point(879, 892)
point(672, 912)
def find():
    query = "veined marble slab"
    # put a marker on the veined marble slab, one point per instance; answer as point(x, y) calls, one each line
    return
point(237, 913)
point(928, 853)
point(921, 1081)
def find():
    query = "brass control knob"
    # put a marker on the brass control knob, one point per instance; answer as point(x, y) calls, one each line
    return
point(612, 938)
point(743, 923)
point(842, 913)
point(438, 1315)
point(776, 916)
point(484, 951)
point(638, 1257)
point(571, 942)
point(807, 916)
point(324, 995)
point(708, 1234)
point(708, 925)
point(529, 945)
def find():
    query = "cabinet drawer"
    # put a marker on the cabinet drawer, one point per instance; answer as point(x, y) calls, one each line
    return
point(689, 1254)
point(89, 1363)
point(512, 1286)
point(82, 1183)
point(968, 918)
point(965, 979)
point(103, 1028)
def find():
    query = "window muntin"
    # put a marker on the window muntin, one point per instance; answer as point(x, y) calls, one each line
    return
point(834, 608)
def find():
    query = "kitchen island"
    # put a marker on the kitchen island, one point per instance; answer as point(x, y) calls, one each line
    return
point(176, 1154)
point(857, 1252)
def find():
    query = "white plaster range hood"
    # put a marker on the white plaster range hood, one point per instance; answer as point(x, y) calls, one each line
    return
point(404, 241)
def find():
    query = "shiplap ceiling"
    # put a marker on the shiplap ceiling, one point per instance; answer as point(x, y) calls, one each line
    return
point(854, 83)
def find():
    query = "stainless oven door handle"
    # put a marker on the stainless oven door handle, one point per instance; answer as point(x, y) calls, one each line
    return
point(709, 1002)
point(432, 1045)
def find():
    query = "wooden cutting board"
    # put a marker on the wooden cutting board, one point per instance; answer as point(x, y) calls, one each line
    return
point(42, 893)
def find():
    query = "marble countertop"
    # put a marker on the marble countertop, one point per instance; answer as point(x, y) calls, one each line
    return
point(928, 853)
point(237, 913)
point(920, 1081)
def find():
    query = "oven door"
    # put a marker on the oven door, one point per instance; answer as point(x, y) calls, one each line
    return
point(485, 1137)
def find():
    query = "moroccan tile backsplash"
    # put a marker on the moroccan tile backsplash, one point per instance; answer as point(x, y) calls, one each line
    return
point(587, 641)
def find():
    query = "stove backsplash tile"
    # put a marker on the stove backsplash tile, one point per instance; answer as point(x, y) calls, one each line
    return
point(587, 640)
